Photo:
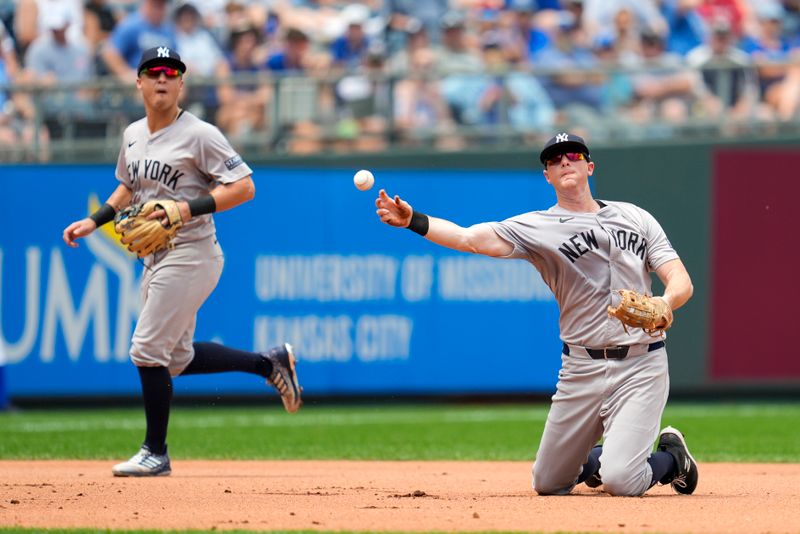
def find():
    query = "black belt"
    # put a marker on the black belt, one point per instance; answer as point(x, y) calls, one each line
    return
point(613, 353)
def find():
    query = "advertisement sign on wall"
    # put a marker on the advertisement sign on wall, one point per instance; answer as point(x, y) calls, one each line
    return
point(369, 308)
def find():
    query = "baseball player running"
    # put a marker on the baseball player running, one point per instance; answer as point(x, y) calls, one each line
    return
point(171, 154)
point(612, 385)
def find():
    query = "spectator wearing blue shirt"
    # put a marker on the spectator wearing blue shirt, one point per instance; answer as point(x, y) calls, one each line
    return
point(687, 29)
point(148, 27)
point(540, 4)
point(350, 49)
point(545, 25)
point(766, 48)
point(294, 54)
point(525, 38)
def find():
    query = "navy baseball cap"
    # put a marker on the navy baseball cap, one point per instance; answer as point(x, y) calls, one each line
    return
point(562, 143)
point(161, 56)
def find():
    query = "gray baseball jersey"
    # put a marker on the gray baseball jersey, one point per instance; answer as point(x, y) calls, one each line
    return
point(180, 162)
point(583, 258)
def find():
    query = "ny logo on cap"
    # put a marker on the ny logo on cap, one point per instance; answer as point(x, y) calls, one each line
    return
point(162, 51)
point(562, 138)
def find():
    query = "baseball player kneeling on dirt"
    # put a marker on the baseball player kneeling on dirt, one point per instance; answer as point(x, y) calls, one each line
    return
point(596, 257)
point(165, 217)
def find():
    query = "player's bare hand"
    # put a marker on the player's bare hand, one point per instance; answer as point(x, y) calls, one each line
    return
point(161, 215)
point(77, 230)
point(393, 211)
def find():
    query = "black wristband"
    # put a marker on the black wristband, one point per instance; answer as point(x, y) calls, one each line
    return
point(103, 215)
point(202, 205)
point(419, 223)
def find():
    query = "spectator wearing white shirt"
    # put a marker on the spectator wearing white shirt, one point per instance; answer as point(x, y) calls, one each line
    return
point(599, 14)
point(54, 59)
point(31, 19)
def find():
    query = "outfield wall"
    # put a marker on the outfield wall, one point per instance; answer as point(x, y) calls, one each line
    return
point(375, 310)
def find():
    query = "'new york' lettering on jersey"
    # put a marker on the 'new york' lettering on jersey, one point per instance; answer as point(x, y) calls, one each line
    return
point(581, 255)
point(168, 163)
point(155, 170)
point(583, 242)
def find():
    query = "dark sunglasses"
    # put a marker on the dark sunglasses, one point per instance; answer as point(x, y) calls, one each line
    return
point(155, 72)
point(572, 156)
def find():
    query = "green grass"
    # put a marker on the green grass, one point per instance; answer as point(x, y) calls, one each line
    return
point(715, 432)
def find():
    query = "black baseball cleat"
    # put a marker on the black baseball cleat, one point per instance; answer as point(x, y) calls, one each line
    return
point(284, 376)
point(594, 480)
point(686, 473)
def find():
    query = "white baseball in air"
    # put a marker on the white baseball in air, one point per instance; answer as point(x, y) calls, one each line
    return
point(363, 180)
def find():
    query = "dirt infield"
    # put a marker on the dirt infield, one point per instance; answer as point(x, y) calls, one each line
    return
point(380, 496)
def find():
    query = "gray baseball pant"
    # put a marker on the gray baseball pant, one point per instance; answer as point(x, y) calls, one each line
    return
point(619, 400)
point(174, 286)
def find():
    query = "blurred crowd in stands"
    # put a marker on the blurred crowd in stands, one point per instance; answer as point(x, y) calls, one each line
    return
point(302, 76)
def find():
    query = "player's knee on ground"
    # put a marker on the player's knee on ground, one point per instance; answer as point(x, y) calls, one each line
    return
point(622, 480)
point(544, 486)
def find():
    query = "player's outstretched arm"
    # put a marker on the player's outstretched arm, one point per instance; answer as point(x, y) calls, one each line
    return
point(120, 198)
point(478, 239)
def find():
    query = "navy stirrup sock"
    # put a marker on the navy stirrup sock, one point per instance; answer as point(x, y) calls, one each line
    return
point(157, 396)
point(663, 466)
point(216, 358)
point(592, 464)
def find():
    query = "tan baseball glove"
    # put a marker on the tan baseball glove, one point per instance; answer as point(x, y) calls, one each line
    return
point(651, 314)
point(145, 236)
